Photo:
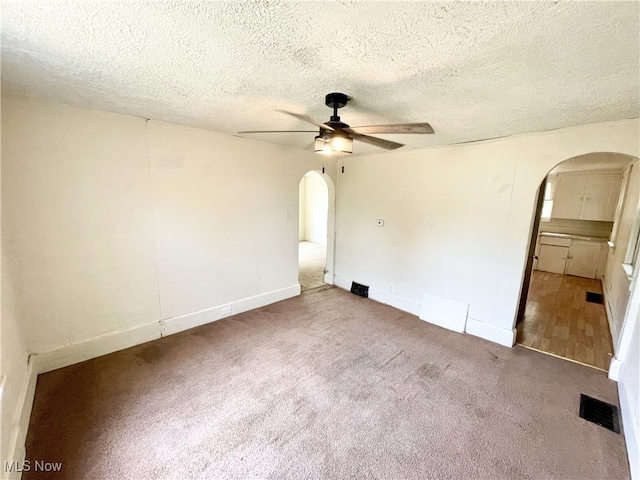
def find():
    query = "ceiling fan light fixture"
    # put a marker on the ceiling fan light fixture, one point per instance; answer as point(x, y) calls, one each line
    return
point(332, 144)
point(336, 138)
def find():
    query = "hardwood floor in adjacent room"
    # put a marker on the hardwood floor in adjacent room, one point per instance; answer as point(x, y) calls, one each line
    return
point(559, 320)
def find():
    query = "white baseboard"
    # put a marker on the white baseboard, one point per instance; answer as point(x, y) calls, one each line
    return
point(342, 282)
point(195, 319)
point(458, 321)
point(614, 369)
point(20, 424)
point(96, 347)
point(631, 434)
point(606, 291)
point(382, 297)
point(492, 333)
point(121, 339)
point(319, 240)
point(395, 301)
point(444, 312)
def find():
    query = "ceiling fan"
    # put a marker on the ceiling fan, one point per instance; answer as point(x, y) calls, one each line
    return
point(336, 137)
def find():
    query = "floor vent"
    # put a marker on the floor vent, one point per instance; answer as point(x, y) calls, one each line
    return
point(361, 290)
point(595, 298)
point(599, 412)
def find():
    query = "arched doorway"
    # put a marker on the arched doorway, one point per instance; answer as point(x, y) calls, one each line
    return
point(575, 290)
point(315, 232)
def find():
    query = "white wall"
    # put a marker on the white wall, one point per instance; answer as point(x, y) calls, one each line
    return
point(457, 220)
point(622, 295)
point(302, 209)
point(132, 229)
point(78, 221)
point(616, 282)
point(629, 391)
point(315, 203)
point(124, 229)
point(15, 374)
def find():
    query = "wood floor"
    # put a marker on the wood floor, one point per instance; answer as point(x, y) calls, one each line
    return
point(559, 320)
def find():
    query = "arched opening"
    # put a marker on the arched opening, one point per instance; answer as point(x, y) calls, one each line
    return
point(315, 230)
point(582, 259)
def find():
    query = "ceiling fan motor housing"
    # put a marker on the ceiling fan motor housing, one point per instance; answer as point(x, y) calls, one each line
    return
point(336, 100)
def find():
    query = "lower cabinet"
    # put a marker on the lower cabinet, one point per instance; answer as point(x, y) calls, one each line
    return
point(552, 258)
point(581, 258)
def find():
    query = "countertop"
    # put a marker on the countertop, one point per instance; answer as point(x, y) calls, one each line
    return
point(575, 237)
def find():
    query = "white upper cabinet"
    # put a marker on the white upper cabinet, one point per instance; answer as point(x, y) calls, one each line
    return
point(567, 199)
point(585, 196)
point(601, 197)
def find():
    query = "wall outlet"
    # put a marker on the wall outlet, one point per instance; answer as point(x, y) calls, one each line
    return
point(391, 288)
point(288, 215)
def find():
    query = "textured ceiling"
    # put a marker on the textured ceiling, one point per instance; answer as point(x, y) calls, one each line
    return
point(473, 70)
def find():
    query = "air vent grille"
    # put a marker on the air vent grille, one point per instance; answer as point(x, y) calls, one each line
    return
point(360, 290)
point(595, 298)
point(599, 412)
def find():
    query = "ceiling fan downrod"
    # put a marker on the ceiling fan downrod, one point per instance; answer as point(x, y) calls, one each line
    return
point(336, 100)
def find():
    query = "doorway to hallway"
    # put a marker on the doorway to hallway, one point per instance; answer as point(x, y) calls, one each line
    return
point(313, 217)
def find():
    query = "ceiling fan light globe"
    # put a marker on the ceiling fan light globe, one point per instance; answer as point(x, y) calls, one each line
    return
point(337, 143)
point(333, 145)
point(341, 144)
point(322, 146)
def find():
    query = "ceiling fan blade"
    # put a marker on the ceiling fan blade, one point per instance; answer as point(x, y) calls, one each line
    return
point(378, 142)
point(391, 129)
point(306, 118)
point(279, 131)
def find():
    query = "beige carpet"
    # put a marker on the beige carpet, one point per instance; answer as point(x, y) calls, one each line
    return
point(324, 385)
point(312, 259)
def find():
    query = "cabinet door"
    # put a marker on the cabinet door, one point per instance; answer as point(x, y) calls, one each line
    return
point(552, 258)
point(567, 199)
point(601, 197)
point(583, 259)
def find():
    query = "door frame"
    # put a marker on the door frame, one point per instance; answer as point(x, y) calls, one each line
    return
point(331, 224)
point(531, 253)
